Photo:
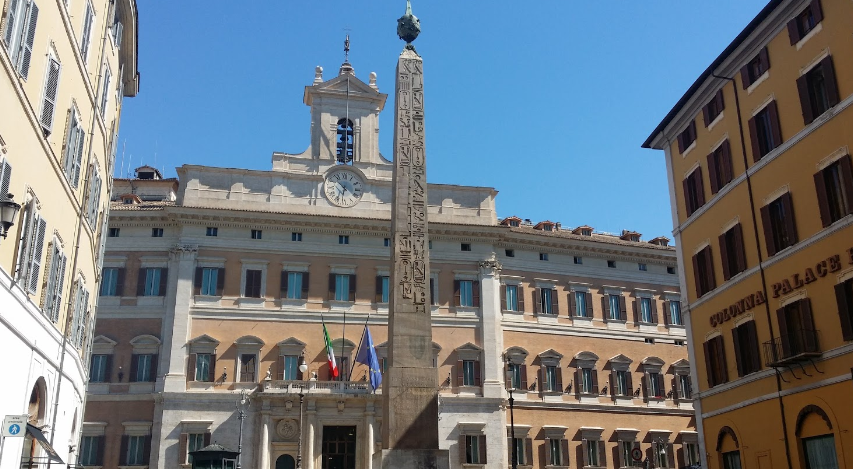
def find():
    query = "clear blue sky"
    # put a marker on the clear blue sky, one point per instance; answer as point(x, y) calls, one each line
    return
point(548, 102)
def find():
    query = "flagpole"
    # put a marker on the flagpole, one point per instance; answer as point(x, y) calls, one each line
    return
point(359, 345)
point(343, 339)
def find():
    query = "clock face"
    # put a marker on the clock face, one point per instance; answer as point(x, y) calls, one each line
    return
point(343, 188)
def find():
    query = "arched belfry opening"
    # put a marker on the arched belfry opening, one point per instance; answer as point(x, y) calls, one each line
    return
point(345, 141)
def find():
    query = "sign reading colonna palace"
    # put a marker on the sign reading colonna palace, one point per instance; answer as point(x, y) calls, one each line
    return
point(217, 282)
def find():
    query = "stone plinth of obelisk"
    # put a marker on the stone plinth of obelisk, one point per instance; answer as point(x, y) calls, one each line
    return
point(410, 387)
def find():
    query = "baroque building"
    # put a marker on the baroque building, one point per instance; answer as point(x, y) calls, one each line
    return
point(65, 68)
point(759, 170)
point(218, 282)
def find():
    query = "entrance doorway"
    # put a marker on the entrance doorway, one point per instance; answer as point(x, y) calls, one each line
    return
point(339, 447)
point(285, 461)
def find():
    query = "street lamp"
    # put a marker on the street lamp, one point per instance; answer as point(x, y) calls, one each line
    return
point(242, 406)
point(8, 212)
point(303, 367)
point(509, 388)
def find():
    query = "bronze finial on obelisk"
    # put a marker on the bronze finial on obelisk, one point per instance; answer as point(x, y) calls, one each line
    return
point(410, 389)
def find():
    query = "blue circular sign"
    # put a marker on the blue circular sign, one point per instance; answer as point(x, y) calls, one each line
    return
point(14, 429)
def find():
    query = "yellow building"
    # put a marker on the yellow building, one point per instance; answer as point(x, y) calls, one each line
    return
point(64, 68)
point(759, 170)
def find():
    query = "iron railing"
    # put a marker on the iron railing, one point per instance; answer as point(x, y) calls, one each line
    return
point(799, 344)
point(318, 387)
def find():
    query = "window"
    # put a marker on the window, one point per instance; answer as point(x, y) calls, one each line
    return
point(209, 281)
point(114, 232)
point(691, 454)
point(549, 381)
point(51, 86)
point(663, 455)
point(90, 451)
point(20, 33)
point(289, 367)
point(156, 232)
point(580, 304)
point(805, 22)
point(386, 242)
point(780, 229)
point(621, 383)
point(80, 315)
point(713, 108)
point(253, 283)
point(764, 131)
point(687, 137)
point(673, 313)
point(470, 374)
point(142, 368)
point(510, 253)
point(86, 37)
point(819, 452)
point(587, 381)
point(670, 270)
point(834, 186)
point(112, 281)
point(703, 271)
point(296, 236)
point(294, 285)
point(685, 387)
point(117, 30)
point(614, 307)
point(546, 301)
point(797, 334)
point(647, 311)
point(466, 247)
point(344, 145)
point(466, 293)
point(844, 298)
point(731, 460)
point(343, 239)
point(720, 170)
point(99, 371)
point(342, 287)
point(152, 282)
point(655, 385)
point(679, 343)
point(593, 452)
point(818, 90)
point(543, 256)
point(105, 90)
point(73, 155)
point(755, 68)
point(611, 264)
point(433, 292)
point(195, 442)
point(256, 234)
point(732, 252)
point(556, 452)
point(523, 451)
point(511, 298)
point(55, 281)
point(382, 288)
point(136, 454)
point(578, 260)
point(694, 191)
point(248, 367)
point(517, 376)
point(715, 361)
point(204, 366)
point(650, 340)
point(475, 449)
point(211, 231)
point(625, 448)
point(430, 244)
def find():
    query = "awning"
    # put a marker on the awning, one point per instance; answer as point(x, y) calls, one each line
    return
point(39, 436)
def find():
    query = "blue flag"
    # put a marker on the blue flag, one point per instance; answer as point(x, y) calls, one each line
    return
point(367, 356)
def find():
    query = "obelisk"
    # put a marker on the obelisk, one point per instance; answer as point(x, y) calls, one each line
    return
point(410, 389)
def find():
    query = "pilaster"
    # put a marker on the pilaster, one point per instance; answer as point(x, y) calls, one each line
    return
point(308, 431)
point(176, 322)
point(491, 335)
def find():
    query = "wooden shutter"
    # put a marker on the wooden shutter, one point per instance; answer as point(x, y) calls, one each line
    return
point(463, 446)
point(528, 451)
point(589, 310)
point(108, 369)
point(752, 334)
point(120, 282)
point(548, 452)
point(477, 373)
point(191, 367)
point(666, 312)
point(775, 126)
point(680, 140)
point(688, 204)
point(183, 454)
point(558, 378)
point(822, 200)
point(817, 12)
point(220, 281)
point(537, 301)
point(5, 177)
point(507, 376)
point(331, 286)
point(805, 101)
point(520, 289)
point(49, 100)
point(199, 278)
point(846, 170)
point(712, 172)
point(279, 368)
point(378, 294)
point(523, 373)
point(211, 377)
point(629, 382)
point(655, 311)
point(134, 367)
point(39, 227)
point(573, 307)
point(351, 287)
point(564, 452)
point(724, 256)
point(740, 250)
point(155, 359)
point(721, 355)
point(602, 454)
point(636, 307)
point(612, 382)
point(60, 281)
point(11, 18)
point(726, 164)
point(510, 444)
point(481, 440)
point(623, 310)
point(605, 307)
point(753, 138)
point(29, 30)
point(122, 456)
point(744, 75)
point(845, 309)
point(164, 278)
point(475, 291)
point(282, 287)
point(739, 358)
point(99, 455)
point(768, 230)
point(709, 371)
point(790, 221)
point(503, 297)
point(670, 455)
point(793, 31)
point(706, 114)
point(457, 295)
point(595, 381)
point(764, 59)
point(140, 282)
point(807, 320)
point(460, 373)
point(305, 282)
point(146, 450)
point(700, 187)
point(555, 303)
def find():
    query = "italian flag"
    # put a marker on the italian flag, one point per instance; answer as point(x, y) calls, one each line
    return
point(333, 367)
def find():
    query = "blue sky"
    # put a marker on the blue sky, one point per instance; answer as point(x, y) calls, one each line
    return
point(548, 102)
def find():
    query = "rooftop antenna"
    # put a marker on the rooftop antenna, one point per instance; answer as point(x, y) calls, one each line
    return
point(123, 149)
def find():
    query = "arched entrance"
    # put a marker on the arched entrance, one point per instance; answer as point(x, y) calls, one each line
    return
point(36, 411)
point(285, 461)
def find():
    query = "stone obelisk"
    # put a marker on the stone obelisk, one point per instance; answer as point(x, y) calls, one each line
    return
point(410, 389)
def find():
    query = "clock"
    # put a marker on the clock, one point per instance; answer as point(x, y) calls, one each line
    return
point(343, 187)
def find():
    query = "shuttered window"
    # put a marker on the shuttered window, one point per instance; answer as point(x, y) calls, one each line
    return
point(703, 271)
point(844, 299)
point(342, 287)
point(466, 293)
point(713, 108)
point(473, 449)
point(818, 90)
point(73, 155)
point(764, 131)
point(105, 90)
point(152, 281)
point(720, 170)
point(745, 339)
point(252, 288)
point(31, 248)
point(756, 67)
point(694, 191)
point(51, 87)
point(797, 333)
point(91, 451)
point(209, 281)
point(580, 304)
point(687, 137)
point(294, 285)
point(112, 281)
point(5, 177)
point(804, 22)
point(715, 361)
point(94, 198)
point(55, 282)
point(20, 32)
point(79, 315)
point(732, 252)
point(248, 367)
point(86, 37)
point(780, 230)
point(834, 186)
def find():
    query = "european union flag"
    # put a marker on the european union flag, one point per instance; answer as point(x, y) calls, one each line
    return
point(367, 355)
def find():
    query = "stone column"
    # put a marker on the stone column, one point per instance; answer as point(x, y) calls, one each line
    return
point(264, 440)
point(310, 428)
point(491, 333)
point(176, 322)
point(369, 423)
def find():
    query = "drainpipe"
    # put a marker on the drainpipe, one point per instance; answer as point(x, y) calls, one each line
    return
point(760, 264)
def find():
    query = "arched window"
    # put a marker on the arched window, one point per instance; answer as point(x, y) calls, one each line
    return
point(345, 141)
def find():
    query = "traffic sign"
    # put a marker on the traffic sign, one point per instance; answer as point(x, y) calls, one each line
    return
point(15, 425)
point(636, 454)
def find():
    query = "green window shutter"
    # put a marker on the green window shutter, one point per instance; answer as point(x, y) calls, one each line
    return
point(51, 87)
